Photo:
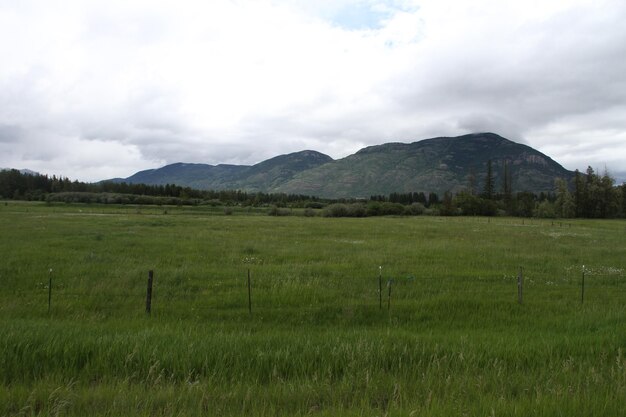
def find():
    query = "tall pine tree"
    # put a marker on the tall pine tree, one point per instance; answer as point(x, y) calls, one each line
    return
point(507, 190)
point(488, 191)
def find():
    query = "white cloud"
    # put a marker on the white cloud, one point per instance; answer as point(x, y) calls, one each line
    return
point(129, 85)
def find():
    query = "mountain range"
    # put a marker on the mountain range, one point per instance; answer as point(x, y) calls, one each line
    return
point(22, 171)
point(432, 165)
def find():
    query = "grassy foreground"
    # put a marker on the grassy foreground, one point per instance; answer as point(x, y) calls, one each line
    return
point(451, 339)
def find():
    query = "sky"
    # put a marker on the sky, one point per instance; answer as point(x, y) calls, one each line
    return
point(99, 89)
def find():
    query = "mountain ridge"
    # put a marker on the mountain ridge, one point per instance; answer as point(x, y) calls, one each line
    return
point(441, 164)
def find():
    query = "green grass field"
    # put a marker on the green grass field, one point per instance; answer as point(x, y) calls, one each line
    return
point(451, 340)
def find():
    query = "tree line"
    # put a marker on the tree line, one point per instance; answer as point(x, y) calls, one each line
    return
point(35, 187)
point(587, 195)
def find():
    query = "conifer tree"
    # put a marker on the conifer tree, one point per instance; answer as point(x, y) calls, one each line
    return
point(507, 189)
point(488, 191)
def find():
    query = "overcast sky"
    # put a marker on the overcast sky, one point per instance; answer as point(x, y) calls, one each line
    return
point(100, 89)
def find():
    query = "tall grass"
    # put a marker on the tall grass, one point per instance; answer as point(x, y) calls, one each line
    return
point(454, 342)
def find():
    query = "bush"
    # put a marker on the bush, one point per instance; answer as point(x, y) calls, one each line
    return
point(213, 202)
point(415, 209)
point(314, 205)
point(357, 210)
point(392, 209)
point(545, 210)
point(374, 208)
point(336, 210)
point(278, 211)
point(345, 210)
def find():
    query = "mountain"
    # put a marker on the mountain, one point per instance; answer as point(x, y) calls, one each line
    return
point(22, 171)
point(431, 165)
point(200, 176)
point(263, 176)
point(273, 173)
point(437, 165)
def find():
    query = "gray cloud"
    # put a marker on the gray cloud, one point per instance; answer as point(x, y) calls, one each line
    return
point(491, 123)
point(110, 88)
point(10, 133)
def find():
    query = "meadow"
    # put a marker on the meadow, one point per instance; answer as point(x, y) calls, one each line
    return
point(445, 337)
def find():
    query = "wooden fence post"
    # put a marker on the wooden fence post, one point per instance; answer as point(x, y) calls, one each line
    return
point(380, 287)
point(389, 296)
point(49, 289)
point(520, 286)
point(149, 292)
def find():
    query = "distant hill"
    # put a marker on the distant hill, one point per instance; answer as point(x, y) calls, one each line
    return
point(263, 176)
point(437, 165)
point(273, 173)
point(200, 176)
point(431, 165)
point(22, 171)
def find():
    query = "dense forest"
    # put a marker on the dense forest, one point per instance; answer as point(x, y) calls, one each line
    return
point(18, 186)
point(589, 195)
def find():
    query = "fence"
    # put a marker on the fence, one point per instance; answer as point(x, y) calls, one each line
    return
point(262, 293)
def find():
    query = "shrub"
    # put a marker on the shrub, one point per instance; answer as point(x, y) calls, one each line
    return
point(314, 205)
point(545, 210)
point(374, 208)
point(392, 209)
point(278, 211)
point(345, 210)
point(357, 210)
point(336, 210)
point(415, 209)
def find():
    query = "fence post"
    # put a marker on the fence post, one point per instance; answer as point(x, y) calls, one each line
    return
point(149, 292)
point(380, 287)
point(389, 296)
point(49, 289)
point(249, 293)
point(582, 288)
point(520, 286)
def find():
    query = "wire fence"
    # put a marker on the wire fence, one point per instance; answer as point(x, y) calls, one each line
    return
point(589, 286)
